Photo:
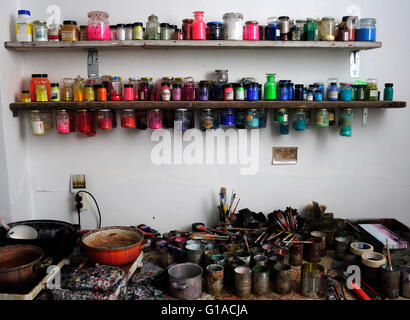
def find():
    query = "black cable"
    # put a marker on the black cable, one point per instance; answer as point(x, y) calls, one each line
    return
point(96, 204)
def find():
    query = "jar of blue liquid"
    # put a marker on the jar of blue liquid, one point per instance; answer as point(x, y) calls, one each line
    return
point(299, 121)
point(263, 118)
point(239, 119)
point(272, 31)
point(333, 92)
point(252, 119)
point(283, 92)
point(251, 92)
point(321, 87)
point(345, 122)
point(218, 91)
point(388, 92)
point(366, 30)
point(284, 128)
point(318, 95)
point(299, 92)
point(227, 117)
point(346, 92)
point(309, 95)
point(291, 91)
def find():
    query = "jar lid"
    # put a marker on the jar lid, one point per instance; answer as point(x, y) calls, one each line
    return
point(229, 85)
point(220, 71)
point(83, 27)
point(146, 78)
point(215, 23)
point(283, 18)
point(61, 110)
point(35, 111)
point(128, 85)
point(299, 86)
point(97, 86)
point(164, 25)
point(25, 91)
point(129, 25)
point(98, 13)
point(39, 22)
point(128, 110)
point(81, 110)
point(253, 110)
point(198, 12)
point(172, 26)
point(333, 83)
point(328, 19)
point(113, 27)
point(44, 75)
point(104, 110)
point(251, 22)
point(368, 20)
point(178, 30)
point(136, 24)
point(54, 85)
point(281, 110)
point(207, 109)
point(228, 109)
point(70, 22)
point(120, 25)
point(203, 84)
point(188, 20)
point(233, 15)
point(389, 85)
point(181, 110)
point(345, 18)
point(27, 12)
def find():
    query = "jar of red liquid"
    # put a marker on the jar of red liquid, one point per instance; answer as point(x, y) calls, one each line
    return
point(251, 31)
point(35, 78)
point(98, 26)
point(199, 26)
point(143, 91)
point(134, 82)
point(178, 35)
point(187, 28)
point(177, 92)
point(188, 91)
point(101, 92)
point(104, 119)
point(128, 92)
point(128, 118)
point(83, 121)
point(347, 30)
point(155, 119)
point(115, 89)
point(228, 92)
point(62, 121)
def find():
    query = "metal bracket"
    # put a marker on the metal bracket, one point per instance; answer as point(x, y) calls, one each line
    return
point(364, 117)
point(92, 63)
point(15, 113)
point(354, 64)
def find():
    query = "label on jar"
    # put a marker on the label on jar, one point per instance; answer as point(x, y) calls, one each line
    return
point(249, 118)
point(331, 116)
point(309, 97)
point(207, 123)
point(55, 95)
point(332, 95)
point(374, 93)
point(240, 95)
point(37, 127)
point(228, 94)
point(68, 35)
point(24, 28)
point(319, 120)
point(277, 33)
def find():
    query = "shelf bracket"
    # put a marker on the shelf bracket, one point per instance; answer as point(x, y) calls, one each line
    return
point(354, 64)
point(15, 113)
point(92, 63)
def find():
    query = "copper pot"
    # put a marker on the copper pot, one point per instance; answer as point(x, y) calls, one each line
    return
point(19, 265)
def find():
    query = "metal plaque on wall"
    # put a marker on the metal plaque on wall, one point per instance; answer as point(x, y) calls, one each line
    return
point(285, 155)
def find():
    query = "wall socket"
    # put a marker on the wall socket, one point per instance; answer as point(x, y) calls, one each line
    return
point(77, 184)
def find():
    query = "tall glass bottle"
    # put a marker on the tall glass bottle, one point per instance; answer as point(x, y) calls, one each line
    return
point(153, 28)
point(270, 89)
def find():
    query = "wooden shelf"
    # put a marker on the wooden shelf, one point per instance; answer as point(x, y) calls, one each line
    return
point(190, 44)
point(20, 106)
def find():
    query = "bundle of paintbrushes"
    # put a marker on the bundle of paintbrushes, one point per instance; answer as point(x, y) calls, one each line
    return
point(285, 220)
point(226, 205)
point(314, 212)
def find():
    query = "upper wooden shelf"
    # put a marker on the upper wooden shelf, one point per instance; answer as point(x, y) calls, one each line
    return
point(20, 106)
point(194, 44)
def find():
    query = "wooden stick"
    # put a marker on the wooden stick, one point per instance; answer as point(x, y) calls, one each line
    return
point(388, 254)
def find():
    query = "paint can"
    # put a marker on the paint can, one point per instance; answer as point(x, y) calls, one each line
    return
point(312, 275)
point(260, 277)
point(194, 252)
point(282, 278)
point(218, 259)
point(283, 251)
point(314, 250)
point(390, 281)
point(243, 281)
point(260, 260)
point(215, 279)
point(268, 246)
point(322, 236)
point(208, 256)
point(230, 271)
point(340, 248)
point(405, 281)
point(244, 256)
point(272, 261)
point(296, 254)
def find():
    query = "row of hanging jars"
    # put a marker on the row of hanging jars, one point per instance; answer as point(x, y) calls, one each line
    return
point(84, 121)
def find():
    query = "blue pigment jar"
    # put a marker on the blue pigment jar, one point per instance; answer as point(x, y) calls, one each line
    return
point(284, 129)
point(299, 92)
point(218, 91)
point(272, 31)
point(252, 92)
point(263, 118)
point(239, 119)
point(333, 92)
point(346, 92)
point(366, 30)
point(283, 92)
point(318, 95)
point(252, 119)
point(227, 117)
point(290, 91)
point(299, 122)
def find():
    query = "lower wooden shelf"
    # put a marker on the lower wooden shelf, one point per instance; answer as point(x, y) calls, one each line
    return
point(20, 106)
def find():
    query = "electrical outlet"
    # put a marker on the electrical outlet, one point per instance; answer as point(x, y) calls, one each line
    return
point(78, 184)
point(84, 201)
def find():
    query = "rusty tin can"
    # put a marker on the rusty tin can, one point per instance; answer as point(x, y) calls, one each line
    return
point(260, 260)
point(322, 236)
point(260, 276)
point(340, 248)
point(283, 251)
point(296, 255)
point(243, 281)
point(282, 278)
point(312, 280)
point(272, 261)
point(215, 279)
point(390, 281)
point(314, 250)
point(243, 256)
point(194, 252)
point(405, 281)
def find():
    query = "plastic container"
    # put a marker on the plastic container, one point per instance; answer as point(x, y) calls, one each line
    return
point(98, 26)
point(24, 27)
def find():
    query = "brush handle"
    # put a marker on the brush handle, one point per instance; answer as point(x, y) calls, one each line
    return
point(388, 252)
point(4, 224)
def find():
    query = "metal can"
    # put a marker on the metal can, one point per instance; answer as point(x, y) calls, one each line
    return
point(312, 280)
point(282, 278)
point(390, 281)
point(260, 277)
point(215, 279)
point(243, 281)
point(405, 281)
point(296, 254)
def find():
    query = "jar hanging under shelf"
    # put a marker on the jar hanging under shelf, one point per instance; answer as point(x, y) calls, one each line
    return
point(128, 118)
point(155, 119)
point(299, 122)
point(105, 119)
point(280, 116)
point(345, 122)
point(207, 119)
point(62, 121)
point(252, 119)
point(83, 121)
point(322, 118)
point(37, 125)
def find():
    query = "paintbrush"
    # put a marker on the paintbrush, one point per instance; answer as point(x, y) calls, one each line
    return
point(234, 210)
point(223, 191)
point(246, 242)
point(231, 203)
point(388, 254)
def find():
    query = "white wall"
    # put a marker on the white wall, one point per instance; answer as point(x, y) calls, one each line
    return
point(363, 176)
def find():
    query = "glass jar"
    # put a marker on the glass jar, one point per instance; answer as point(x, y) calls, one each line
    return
point(333, 92)
point(322, 118)
point(138, 32)
point(153, 27)
point(284, 24)
point(311, 32)
point(128, 92)
point(143, 91)
point(283, 92)
point(187, 28)
point(105, 119)
point(89, 94)
point(273, 29)
point(188, 91)
point(54, 32)
point(228, 92)
point(233, 25)
point(67, 90)
point(70, 31)
point(115, 89)
point(299, 90)
point(141, 119)
point(332, 117)
point(371, 92)
point(55, 92)
point(227, 117)
point(345, 123)
point(203, 91)
point(317, 95)
point(239, 92)
point(366, 30)
point(98, 26)
point(299, 122)
point(40, 30)
point(181, 120)
point(280, 116)
point(83, 120)
point(78, 89)
point(346, 92)
point(25, 96)
point(164, 35)
point(207, 119)
point(155, 119)
point(199, 26)
point(83, 33)
point(62, 121)
point(221, 76)
point(327, 29)
point(347, 30)
point(120, 33)
point(297, 30)
point(129, 31)
point(388, 92)
point(178, 35)
point(270, 89)
point(47, 117)
point(263, 117)
point(113, 31)
point(37, 125)
point(216, 30)
point(41, 91)
point(128, 118)
point(251, 31)
point(101, 92)
point(360, 95)
point(239, 118)
point(252, 119)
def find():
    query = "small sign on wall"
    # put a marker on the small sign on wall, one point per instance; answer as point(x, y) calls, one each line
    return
point(285, 155)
